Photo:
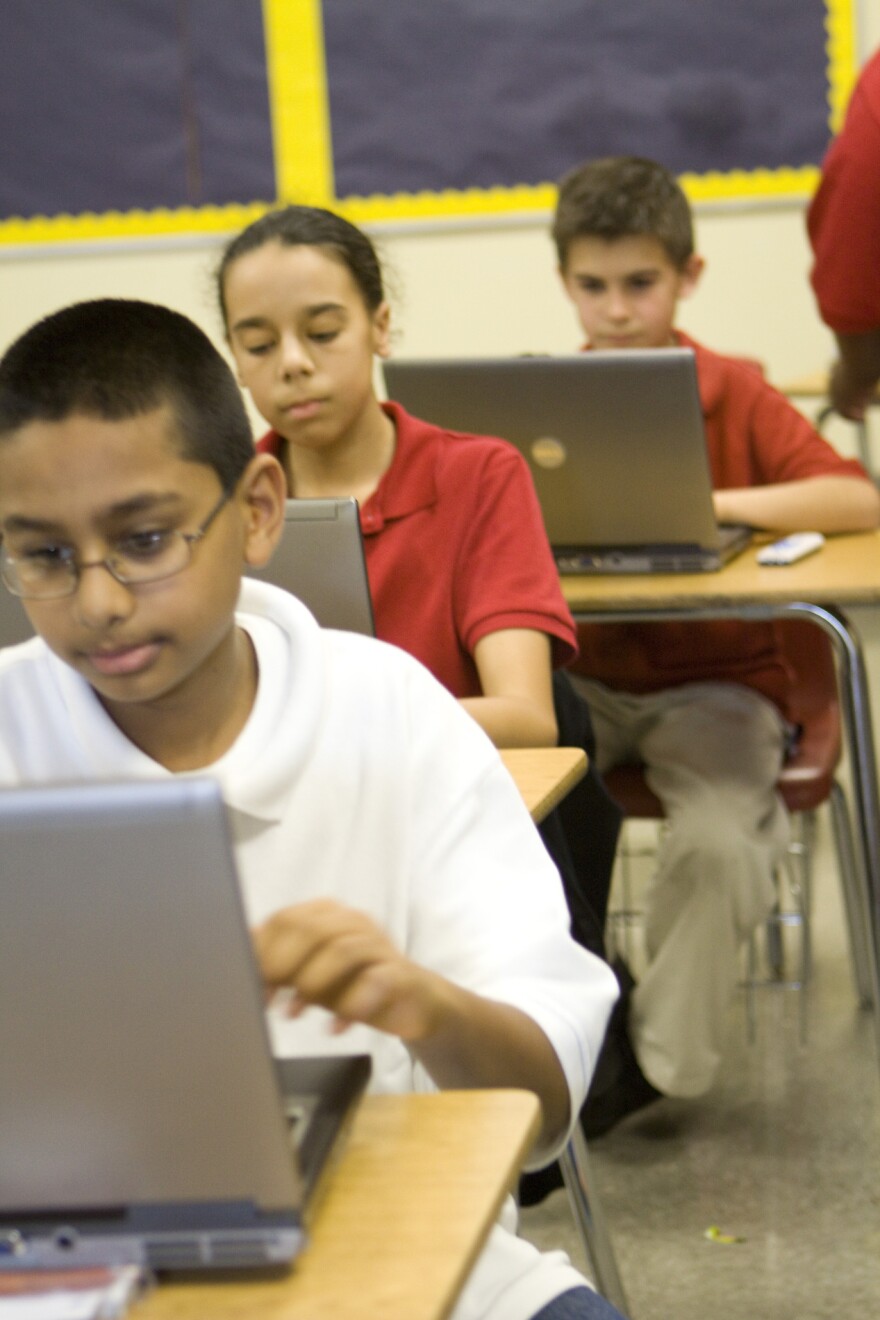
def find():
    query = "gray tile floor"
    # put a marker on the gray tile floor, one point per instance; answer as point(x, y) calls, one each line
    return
point(783, 1156)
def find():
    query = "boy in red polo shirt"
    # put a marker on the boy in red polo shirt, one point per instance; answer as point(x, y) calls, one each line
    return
point(703, 705)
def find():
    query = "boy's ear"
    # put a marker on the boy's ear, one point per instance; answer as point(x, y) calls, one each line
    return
point(690, 273)
point(262, 493)
point(382, 330)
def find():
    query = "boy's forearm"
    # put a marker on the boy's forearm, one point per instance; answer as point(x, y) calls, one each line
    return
point(338, 958)
point(817, 504)
point(479, 1042)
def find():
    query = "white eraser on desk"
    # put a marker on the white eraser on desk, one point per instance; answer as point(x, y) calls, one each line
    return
point(790, 549)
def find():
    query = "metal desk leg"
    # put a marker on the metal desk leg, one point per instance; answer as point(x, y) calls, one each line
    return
point(855, 705)
point(580, 1186)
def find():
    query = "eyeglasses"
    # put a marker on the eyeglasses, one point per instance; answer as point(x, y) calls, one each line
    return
point(51, 571)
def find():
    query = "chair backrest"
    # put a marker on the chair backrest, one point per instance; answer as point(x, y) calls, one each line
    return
point(810, 654)
point(808, 774)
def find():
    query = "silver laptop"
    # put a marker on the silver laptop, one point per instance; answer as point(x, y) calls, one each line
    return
point(142, 1116)
point(615, 443)
point(320, 560)
point(15, 626)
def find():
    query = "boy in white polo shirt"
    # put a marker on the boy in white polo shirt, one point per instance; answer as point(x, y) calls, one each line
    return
point(400, 898)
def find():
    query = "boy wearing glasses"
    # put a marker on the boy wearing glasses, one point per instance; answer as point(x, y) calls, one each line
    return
point(399, 894)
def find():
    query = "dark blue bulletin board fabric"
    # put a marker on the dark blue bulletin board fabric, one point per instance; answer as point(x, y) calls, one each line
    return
point(478, 93)
point(132, 104)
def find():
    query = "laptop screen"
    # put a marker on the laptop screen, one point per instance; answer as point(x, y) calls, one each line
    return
point(320, 560)
point(131, 1006)
point(615, 441)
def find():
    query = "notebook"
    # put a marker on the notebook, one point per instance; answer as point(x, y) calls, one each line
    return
point(144, 1120)
point(615, 443)
point(320, 560)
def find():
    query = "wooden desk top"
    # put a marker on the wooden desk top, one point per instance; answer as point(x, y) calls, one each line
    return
point(418, 1186)
point(813, 385)
point(544, 775)
point(846, 571)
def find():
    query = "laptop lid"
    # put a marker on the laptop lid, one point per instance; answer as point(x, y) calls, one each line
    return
point(615, 443)
point(320, 560)
point(15, 625)
point(141, 1111)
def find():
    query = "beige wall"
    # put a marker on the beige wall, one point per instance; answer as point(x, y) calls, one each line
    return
point(491, 289)
point(494, 290)
point(488, 289)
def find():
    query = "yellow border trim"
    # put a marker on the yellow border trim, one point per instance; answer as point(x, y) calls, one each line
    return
point(843, 64)
point(299, 107)
point(733, 186)
point(298, 100)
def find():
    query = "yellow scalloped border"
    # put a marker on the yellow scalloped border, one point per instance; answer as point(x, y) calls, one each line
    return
point(843, 63)
point(299, 107)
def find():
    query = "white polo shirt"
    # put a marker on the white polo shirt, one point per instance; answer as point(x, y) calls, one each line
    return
point(358, 777)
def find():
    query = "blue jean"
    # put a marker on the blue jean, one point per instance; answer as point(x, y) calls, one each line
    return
point(579, 1304)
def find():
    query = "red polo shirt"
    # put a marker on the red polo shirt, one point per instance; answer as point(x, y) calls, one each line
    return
point(456, 549)
point(755, 438)
point(843, 219)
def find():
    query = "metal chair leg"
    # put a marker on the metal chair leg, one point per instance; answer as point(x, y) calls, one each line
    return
point(577, 1175)
point(857, 919)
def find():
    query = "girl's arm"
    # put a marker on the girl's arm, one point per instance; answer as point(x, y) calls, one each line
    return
point(516, 708)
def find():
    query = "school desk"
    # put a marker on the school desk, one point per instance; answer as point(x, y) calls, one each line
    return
point(815, 386)
point(544, 775)
point(845, 572)
point(417, 1188)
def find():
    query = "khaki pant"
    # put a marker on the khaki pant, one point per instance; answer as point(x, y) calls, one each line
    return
point(712, 753)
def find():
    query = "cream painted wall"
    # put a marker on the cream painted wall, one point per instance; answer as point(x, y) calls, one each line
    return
point(493, 289)
point(488, 290)
point(485, 290)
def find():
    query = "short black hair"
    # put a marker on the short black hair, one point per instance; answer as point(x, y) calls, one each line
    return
point(309, 226)
point(116, 358)
point(623, 197)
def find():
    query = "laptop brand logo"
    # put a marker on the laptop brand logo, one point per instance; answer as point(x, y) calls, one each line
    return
point(548, 452)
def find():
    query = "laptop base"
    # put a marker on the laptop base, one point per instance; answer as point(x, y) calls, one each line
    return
point(634, 559)
point(158, 1238)
point(320, 1095)
point(677, 558)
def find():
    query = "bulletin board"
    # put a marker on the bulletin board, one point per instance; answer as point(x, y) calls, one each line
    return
point(160, 117)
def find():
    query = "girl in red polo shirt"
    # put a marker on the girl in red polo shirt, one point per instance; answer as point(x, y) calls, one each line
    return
point(460, 569)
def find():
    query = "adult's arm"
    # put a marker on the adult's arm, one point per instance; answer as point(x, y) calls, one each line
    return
point(855, 375)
